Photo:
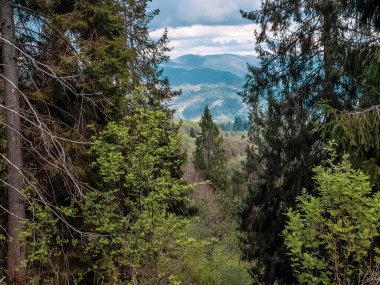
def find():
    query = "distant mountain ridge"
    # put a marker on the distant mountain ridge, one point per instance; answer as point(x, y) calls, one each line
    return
point(235, 64)
point(211, 79)
point(181, 76)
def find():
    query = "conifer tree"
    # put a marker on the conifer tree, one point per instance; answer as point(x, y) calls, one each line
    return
point(75, 64)
point(358, 132)
point(209, 155)
point(309, 52)
point(16, 253)
point(192, 133)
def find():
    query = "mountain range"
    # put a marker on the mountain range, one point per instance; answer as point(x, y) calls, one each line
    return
point(211, 79)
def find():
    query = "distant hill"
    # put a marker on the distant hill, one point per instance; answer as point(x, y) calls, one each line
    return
point(235, 64)
point(222, 99)
point(181, 76)
point(212, 79)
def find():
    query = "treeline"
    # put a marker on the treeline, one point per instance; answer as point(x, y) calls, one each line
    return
point(91, 187)
point(238, 125)
point(312, 215)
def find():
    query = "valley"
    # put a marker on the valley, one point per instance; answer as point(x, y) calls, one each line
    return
point(214, 80)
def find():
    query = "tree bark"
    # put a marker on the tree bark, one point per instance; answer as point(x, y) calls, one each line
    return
point(16, 254)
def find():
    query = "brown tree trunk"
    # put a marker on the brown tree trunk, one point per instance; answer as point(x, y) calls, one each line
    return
point(16, 253)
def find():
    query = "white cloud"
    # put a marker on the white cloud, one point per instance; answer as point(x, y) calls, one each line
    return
point(211, 10)
point(221, 31)
point(204, 39)
point(188, 12)
point(208, 50)
point(205, 26)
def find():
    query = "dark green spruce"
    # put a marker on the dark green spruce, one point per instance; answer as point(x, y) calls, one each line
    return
point(309, 54)
point(209, 156)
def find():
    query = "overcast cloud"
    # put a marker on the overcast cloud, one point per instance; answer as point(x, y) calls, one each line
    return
point(207, 12)
point(205, 26)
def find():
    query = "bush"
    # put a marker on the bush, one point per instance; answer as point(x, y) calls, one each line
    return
point(330, 236)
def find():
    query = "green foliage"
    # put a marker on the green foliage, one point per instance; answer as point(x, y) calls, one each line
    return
point(215, 255)
point(358, 130)
point(308, 52)
point(85, 212)
point(357, 133)
point(193, 134)
point(371, 75)
point(330, 236)
point(215, 258)
point(209, 154)
point(239, 125)
point(139, 231)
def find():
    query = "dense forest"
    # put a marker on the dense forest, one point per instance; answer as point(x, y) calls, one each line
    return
point(100, 185)
point(313, 162)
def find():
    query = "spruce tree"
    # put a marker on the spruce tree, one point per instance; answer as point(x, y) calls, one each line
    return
point(76, 63)
point(16, 253)
point(309, 53)
point(358, 132)
point(209, 156)
point(192, 133)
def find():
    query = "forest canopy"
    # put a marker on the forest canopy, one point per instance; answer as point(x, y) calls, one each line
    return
point(101, 185)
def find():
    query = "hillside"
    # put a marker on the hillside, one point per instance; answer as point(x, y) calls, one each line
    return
point(222, 99)
point(215, 221)
point(235, 64)
point(181, 76)
point(212, 79)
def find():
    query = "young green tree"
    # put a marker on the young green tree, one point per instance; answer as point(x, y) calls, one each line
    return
point(209, 156)
point(142, 197)
point(330, 235)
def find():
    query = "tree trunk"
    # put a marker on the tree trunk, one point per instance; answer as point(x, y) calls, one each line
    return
point(329, 39)
point(16, 254)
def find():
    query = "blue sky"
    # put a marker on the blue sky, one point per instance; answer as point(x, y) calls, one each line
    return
point(205, 26)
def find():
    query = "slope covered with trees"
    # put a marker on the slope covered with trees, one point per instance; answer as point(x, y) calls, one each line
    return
point(217, 194)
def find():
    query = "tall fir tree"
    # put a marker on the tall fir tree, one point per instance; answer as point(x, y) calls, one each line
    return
point(76, 63)
point(16, 251)
point(309, 53)
point(209, 156)
point(358, 132)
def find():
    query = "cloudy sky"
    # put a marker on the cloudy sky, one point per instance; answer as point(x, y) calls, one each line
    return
point(205, 26)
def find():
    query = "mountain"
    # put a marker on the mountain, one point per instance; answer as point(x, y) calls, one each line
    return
point(222, 100)
point(181, 76)
point(235, 64)
point(212, 79)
